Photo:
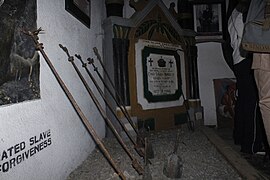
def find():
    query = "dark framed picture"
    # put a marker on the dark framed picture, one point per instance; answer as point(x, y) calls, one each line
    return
point(81, 9)
point(209, 20)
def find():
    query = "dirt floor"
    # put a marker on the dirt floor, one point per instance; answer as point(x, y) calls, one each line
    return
point(199, 157)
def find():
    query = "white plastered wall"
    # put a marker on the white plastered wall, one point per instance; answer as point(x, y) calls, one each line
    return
point(211, 65)
point(71, 142)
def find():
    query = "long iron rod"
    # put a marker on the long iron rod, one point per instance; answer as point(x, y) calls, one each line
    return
point(135, 162)
point(90, 61)
point(39, 47)
point(119, 103)
point(110, 81)
point(105, 100)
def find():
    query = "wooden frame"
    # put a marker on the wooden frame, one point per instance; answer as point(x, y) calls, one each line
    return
point(81, 9)
point(209, 20)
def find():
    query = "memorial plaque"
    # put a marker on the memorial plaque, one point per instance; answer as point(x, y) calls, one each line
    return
point(159, 71)
point(161, 74)
point(160, 60)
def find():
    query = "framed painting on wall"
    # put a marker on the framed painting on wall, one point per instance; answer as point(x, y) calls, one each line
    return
point(81, 9)
point(209, 20)
point(20, 62)
point(225, 97)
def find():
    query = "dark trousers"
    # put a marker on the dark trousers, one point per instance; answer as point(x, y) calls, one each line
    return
point(247, 121)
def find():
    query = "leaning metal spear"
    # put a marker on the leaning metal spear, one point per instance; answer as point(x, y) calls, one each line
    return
point(136, 147)
point(91, 130)
point(104, 98)
point(120, 103)
point(135, 162)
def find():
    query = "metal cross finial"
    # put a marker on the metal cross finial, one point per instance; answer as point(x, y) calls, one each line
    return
point(34, 36)
point(32, 33)
point(80, 58)
point(64, 48)
point(36, 32)
point(90, 60)
point(70, 58)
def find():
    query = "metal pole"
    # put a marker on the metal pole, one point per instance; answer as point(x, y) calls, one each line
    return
point(39, 47)
point(103, 97)
point(135, 162)
point(140, 136)
point(119, 103)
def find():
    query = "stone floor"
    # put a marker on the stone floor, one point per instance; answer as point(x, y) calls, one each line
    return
point(199, 157)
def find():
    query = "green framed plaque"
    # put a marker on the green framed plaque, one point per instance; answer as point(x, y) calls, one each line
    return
point(161, 76)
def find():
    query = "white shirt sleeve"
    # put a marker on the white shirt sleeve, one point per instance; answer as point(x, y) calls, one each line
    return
point(235, 28)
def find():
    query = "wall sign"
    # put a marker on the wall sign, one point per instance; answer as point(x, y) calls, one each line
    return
point(14, 155)
point(160, 68)
point(162, 80)
point(162, 75)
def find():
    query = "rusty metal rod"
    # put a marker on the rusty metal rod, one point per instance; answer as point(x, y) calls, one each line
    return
point(135, 162)
point(104, 98)
point(121, 106)
point(119, 103)
point(91, 130)
point(136, 147)
point(111, 83)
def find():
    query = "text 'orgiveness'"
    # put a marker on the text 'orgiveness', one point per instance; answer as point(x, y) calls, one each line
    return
point(13, 156)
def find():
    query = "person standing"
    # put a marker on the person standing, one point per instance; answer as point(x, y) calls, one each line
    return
point(260, 11)
point(245, 119)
